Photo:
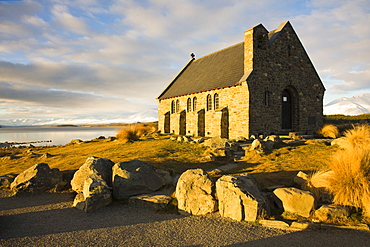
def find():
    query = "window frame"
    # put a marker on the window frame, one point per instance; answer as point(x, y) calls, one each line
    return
point(209, 102)
point(216, 101)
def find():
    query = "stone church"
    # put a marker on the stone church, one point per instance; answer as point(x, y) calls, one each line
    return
point(266, 84)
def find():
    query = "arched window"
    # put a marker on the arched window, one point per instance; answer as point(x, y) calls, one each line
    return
point(173, 110)
point(194, 103)
point(188, 105)
point(177, 106)
point(216, 101)
point(209, 102)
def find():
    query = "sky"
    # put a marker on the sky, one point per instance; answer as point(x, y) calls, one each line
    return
point(110, 59)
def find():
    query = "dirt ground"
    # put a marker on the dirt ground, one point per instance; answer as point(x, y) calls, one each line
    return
point(50, 220)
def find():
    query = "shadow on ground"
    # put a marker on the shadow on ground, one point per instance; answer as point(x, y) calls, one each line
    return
point(49, 220)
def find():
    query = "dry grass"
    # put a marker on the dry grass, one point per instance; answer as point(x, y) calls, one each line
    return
point(349, 180)
point(357, 137)
point(133, 133)
point(164, 154)
point(318, 182)
point(330, 131)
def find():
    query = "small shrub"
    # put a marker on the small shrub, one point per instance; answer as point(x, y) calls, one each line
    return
point(131, 134)
point(330, 131)
point(349, 182)
point(318, 182)
point(357, 137)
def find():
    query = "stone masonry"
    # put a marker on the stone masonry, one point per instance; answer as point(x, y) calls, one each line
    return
point(278, 89)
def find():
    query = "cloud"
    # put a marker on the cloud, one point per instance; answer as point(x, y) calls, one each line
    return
point(46, 101)
point(67, 21)
point(336, 37)
point(108, 51)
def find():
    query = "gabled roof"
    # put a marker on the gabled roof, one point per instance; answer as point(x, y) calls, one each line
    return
point(216, 70)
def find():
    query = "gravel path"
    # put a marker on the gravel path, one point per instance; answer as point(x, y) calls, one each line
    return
point(49, 220)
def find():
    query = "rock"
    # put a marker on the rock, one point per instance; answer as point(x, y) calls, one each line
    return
point(46, 156)
point(165, 176)
point(301, 178)
point(268, 145)
point(332, 212)
point(173, 138)
point(273, 138)
point(195, 193)
point(95, 194)
point(92, 165)
point(274, 224)
point(216, 142)
point(136, 177)
point(215, 173)
point(111, 138)
point(296, 201)
point(75, 141)
point(38, 178)
point(239, 198)
point(199, 140)
point(180, 139)
point(221, 155)
point(341, 142)
point(156, 201)
point(303, 225)
point(186, 139)
point(256, 145)
point(5, 182)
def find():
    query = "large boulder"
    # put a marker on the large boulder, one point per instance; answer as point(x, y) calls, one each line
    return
point(95, 194)
point(38, 178)
point(296, 201)
point(93, 165)
point(195, 193)
point(239, 198)
point(136, 177)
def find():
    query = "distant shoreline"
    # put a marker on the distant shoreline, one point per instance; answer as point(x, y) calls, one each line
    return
point(81, 125)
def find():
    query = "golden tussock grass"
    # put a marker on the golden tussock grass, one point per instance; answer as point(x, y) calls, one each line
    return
point(318, 182)
point(349, 180)
point(330, 131)
point(133, 133)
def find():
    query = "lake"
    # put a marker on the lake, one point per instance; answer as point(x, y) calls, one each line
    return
point(57, 135)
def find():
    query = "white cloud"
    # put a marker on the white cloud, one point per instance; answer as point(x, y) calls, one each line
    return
point(69, 22)
point(132, 49)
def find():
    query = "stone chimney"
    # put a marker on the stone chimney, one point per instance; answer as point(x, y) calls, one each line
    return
point(255, 47)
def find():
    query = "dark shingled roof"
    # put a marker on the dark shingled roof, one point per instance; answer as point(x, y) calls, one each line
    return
point(216, 70)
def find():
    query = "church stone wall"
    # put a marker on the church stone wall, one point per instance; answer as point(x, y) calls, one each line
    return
point(235, 99)
point(273, 62)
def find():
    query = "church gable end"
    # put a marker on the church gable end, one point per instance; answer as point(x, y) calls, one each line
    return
point(263, 85)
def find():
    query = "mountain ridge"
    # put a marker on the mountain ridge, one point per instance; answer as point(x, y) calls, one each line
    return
point(355, 105)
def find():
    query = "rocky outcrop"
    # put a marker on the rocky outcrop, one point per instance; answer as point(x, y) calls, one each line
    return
point(296, 201)
point(95, 194)
point(332, 212)
point(38, 178)
point(239, 198)
point(195, 193)
point(93, 165)
point(136, 177)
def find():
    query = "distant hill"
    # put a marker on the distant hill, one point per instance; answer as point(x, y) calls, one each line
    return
point(356, 105)
point(149, 115)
